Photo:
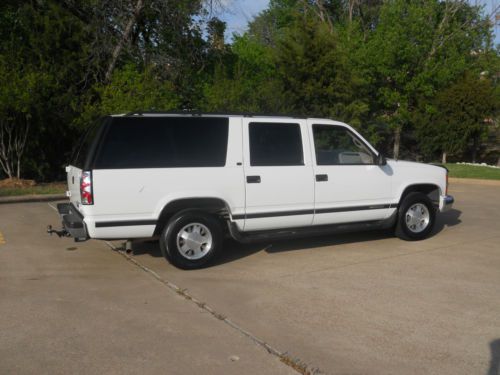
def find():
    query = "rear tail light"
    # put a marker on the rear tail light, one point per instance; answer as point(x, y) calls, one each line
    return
point(86, 194)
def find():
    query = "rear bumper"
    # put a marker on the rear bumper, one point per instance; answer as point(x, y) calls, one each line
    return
point(72, 221)
point(445, 202)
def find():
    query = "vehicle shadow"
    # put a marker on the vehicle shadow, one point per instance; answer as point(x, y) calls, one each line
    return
point(446, 219)
point(235, 251)
point(149, 247)
point(495, 358)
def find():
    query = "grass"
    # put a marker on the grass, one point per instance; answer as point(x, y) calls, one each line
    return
point(473, 171)
point(52, 188)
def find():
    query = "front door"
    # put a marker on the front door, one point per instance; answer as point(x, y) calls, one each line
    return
point(349, 185)
point(279, 177)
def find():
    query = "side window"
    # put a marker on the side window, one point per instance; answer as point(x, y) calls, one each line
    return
point(275, 144)
point(336, 145)
point(83, 149)
point(164, 142)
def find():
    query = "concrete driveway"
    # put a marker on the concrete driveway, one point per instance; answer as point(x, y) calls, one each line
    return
point(350, 304)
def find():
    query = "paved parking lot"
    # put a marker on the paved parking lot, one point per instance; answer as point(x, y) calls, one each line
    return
point(347, 304)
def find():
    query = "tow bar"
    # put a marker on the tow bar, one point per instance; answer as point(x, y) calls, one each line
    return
point(60, 233)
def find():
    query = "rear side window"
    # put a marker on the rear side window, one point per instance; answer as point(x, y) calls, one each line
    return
point(163, 142)
point(275, 144)
point(83, 149)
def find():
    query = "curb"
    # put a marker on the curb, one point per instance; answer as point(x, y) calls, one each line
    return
point(474, 181)
point(33, 198)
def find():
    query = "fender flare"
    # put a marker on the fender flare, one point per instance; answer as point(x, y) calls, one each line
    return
point(212, 205)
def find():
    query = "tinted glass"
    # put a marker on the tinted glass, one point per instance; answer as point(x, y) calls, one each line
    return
point(275, 144)
point(336, 145)
point(85, 145)
point(162, 142)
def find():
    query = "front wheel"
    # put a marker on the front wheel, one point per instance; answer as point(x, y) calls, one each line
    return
point(416, 217)
point(191, 239)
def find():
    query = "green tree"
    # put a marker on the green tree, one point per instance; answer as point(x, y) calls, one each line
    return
point(78, 45)
point(246, 80)
point(462, 116)
point(43, 49)
point(379, 65)
point(21, 98)
point(416, 49)
point(318, 71)
point(130, 90)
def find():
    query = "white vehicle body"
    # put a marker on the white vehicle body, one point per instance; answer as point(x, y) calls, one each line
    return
point(129, 203)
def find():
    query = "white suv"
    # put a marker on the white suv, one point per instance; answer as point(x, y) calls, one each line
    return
point(191, 179)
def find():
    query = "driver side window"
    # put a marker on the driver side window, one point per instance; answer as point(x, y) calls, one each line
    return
point(336, 145)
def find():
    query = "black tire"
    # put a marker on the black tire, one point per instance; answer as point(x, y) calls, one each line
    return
point(169, 239)
point(403, 229)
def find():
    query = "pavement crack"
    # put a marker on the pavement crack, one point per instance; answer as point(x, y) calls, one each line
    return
point(292, 362)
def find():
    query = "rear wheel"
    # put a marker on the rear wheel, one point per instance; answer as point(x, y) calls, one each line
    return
point(416, 217)
point(191, 239)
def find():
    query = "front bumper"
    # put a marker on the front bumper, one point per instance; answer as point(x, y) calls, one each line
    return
point(72, 221)
point(445, 202)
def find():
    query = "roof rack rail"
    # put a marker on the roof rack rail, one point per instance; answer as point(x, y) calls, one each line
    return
point(140, 113)
point(201, 113)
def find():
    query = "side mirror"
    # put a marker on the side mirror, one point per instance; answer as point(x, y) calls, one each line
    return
point(381, 159)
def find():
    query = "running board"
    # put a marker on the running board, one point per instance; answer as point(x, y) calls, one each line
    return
point(285, 233)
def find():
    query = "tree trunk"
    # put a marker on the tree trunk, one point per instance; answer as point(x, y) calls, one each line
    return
point(351, 9)
point(443, 158)
point(474, 149)
point(5, 147)
point(13, 138)
point(124, 39)
point(397, 141)
point(321, 13)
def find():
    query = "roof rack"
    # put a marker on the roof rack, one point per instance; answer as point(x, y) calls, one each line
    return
point(200, 113)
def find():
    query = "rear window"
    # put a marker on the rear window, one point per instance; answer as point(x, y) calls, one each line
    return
point(163, 142)
point(87, 142)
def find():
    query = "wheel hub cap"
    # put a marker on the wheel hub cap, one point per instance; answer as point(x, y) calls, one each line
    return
point(194, 241)
point(417, 218)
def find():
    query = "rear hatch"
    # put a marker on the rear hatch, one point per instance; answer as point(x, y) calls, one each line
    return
point(81, 161)
point(74, 175)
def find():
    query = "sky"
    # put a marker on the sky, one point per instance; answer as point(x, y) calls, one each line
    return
point(239, 12)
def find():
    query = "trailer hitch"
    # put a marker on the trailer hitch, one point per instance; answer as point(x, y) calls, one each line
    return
point(60, 233)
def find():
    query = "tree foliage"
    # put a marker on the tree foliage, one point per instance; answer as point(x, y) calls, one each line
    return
point(130, 90)
point(417, 49)
point(245, 80)
point(463, 114)
point(315, 66)
point(400, 71)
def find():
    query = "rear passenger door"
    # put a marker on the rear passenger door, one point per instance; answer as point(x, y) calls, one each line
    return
point(278, 174)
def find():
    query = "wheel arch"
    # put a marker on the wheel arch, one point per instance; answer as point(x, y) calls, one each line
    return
point(431, 190)
point(216, 206)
